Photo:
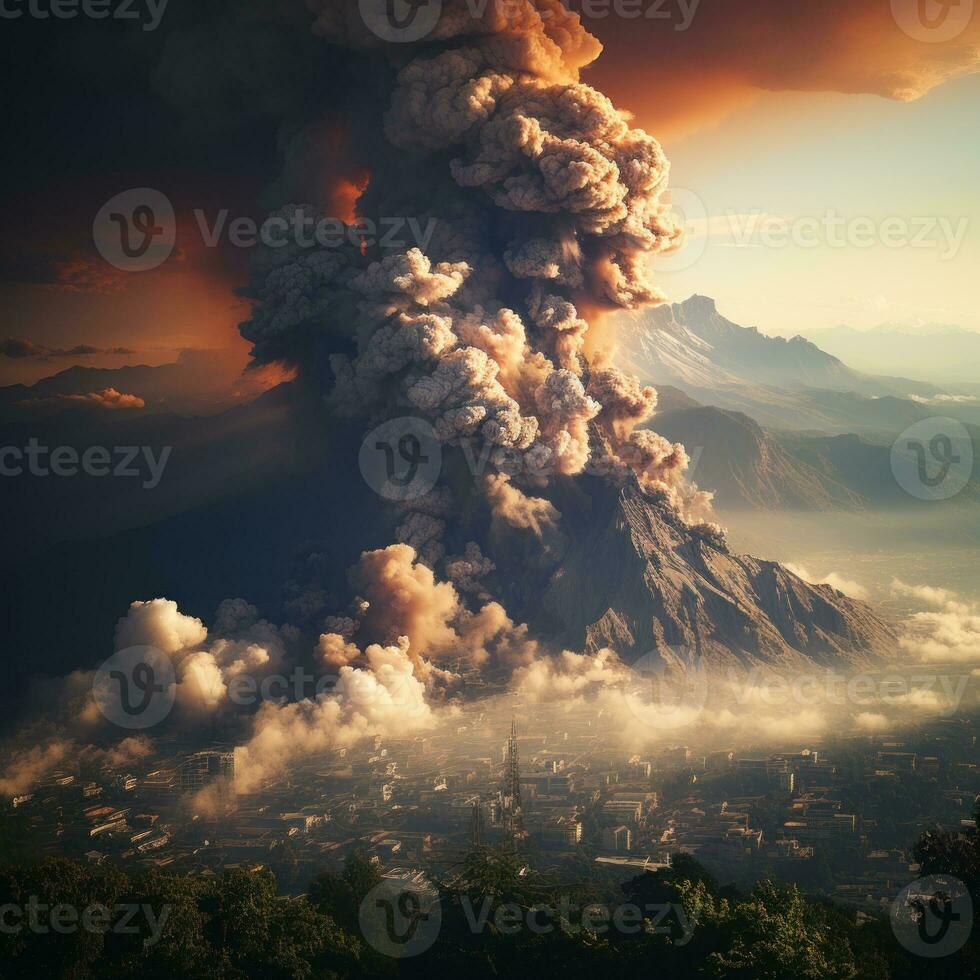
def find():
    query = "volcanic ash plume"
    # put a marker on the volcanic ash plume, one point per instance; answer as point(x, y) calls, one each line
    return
point(533, 206)
point(542, 205)
point(543, 202)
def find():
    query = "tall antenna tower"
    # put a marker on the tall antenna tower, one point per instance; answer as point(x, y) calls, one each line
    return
point(476, 825)
point(514, 818)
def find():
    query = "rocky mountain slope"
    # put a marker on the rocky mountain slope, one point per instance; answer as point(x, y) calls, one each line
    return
point(637, 580)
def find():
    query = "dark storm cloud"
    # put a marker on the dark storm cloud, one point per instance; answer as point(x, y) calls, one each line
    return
point(206, 93)
point(224, 100)
point(72, 270)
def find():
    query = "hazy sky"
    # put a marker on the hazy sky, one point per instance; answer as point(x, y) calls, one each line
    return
point(903, 175)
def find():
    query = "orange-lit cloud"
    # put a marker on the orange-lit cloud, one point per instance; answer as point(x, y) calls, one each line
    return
point(108, 398)
point(674, 79)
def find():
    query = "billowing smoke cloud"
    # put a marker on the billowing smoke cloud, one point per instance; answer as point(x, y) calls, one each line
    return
point(929, 595)
point(570, 675)
point(402, 598)
point(385, 697)
point(540, 204)
point(392, 662)
point(872, 720)
point(543, 204)
point(25, 768)
point(947, 632)
point(244, 644)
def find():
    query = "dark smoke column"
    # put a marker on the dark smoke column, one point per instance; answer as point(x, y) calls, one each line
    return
point(544, 205)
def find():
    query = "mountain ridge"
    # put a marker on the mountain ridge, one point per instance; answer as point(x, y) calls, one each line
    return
point(676, 588)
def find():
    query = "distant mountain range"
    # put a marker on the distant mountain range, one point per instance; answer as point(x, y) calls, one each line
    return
point(750, 467)
point(776, 423)
point(692, 345)
point(943, 353)
point(634, 580)
point(257, 495)
point(786, 384)
point(199, 382)
point(208, 457)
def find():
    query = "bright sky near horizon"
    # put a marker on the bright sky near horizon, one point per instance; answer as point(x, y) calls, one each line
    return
point(821, 209)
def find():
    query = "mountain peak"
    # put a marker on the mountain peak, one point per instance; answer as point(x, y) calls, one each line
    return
point(691, 343)
point(698, 304)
